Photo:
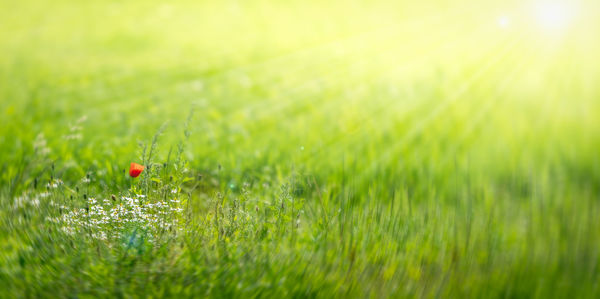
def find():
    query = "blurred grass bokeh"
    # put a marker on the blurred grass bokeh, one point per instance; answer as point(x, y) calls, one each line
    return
point(441, 148)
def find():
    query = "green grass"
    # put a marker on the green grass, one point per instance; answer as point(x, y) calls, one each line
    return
point(317, 150)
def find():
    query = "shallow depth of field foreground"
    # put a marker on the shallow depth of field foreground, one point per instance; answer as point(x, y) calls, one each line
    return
point(300, 149)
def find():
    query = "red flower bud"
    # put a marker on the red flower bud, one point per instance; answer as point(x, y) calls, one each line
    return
point(135, 170)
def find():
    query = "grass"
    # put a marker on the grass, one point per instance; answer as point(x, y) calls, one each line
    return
point(315, 150)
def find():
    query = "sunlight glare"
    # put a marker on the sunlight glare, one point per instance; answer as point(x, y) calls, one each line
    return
point(504, 22)
point(554, 15)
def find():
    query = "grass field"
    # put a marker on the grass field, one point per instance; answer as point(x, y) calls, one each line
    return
point(300, 149)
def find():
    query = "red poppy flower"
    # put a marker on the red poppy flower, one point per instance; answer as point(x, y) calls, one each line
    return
point(135, 170)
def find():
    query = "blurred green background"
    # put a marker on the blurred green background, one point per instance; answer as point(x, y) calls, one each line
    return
point(475, 121)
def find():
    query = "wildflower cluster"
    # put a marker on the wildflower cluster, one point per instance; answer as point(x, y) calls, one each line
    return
point(26, 200)
point(33, 199)
point(108, 218)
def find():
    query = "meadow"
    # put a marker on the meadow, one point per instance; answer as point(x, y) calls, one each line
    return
point(299, 149)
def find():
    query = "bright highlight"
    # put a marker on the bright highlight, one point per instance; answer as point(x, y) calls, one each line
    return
point(554, 15)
